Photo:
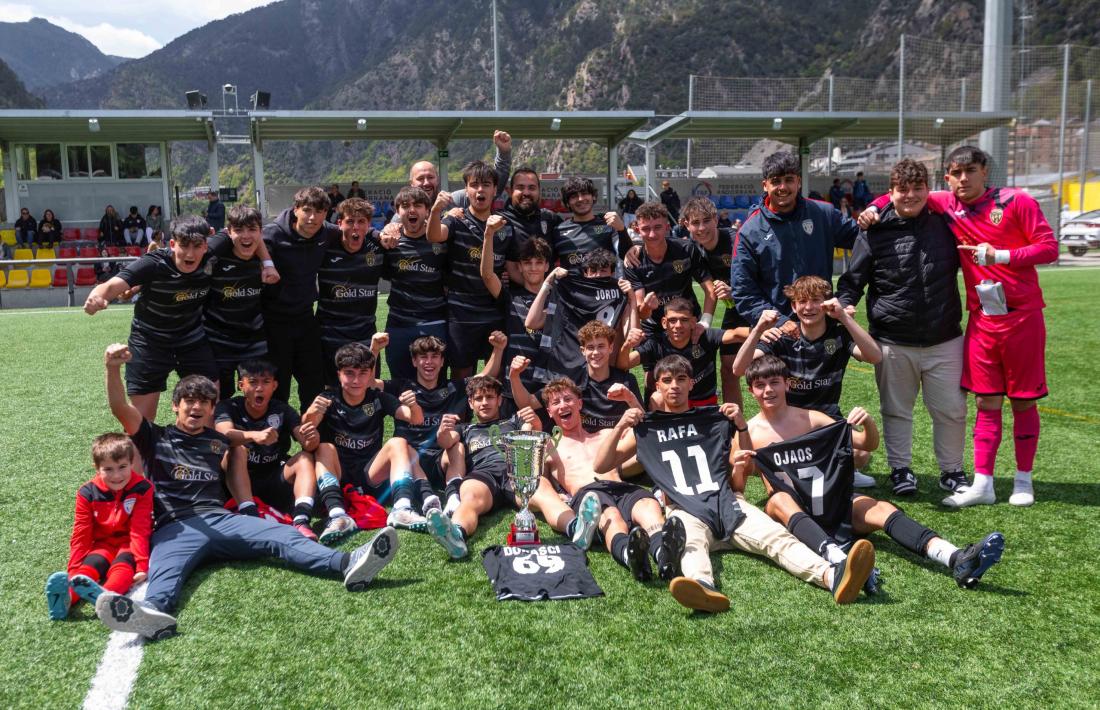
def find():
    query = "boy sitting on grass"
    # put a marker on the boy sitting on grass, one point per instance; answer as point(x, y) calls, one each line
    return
point(110, 541)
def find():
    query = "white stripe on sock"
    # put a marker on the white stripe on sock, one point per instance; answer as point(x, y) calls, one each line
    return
point(118, 668)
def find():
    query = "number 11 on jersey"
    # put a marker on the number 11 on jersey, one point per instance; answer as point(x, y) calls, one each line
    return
point(706, 482)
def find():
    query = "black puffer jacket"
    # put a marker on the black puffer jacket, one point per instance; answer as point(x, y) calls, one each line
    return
point(910, 270)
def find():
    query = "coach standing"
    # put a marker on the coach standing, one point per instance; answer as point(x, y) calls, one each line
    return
point(297, 241)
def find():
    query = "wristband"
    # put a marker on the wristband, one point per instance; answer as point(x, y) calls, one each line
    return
point(268, 263)
point(740, 429)
point(706, 319)
point(1001, 256)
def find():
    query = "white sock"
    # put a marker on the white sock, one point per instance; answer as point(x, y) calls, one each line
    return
point(834, 554)
point(982, 483)
point(403, 502)
point(940, 550)
point(304, 500)
point(336, 511)
point(1021, 482)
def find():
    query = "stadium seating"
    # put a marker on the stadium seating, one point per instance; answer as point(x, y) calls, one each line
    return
point(18, 278)
point(23, 254)
point(114, 251)
point(8, 236)
point(91, 233)
point(66, 253)
point(60, 276)
point(70, 234)
point(725, 202)
point(134, 250)
point(40, 278)
point(742, 202)
point(85, 276)
point(378, 224)
point(45, 254)
point(88, 252)
point(3, 279)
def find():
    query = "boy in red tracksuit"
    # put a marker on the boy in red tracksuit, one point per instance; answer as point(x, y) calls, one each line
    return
point(110, 541)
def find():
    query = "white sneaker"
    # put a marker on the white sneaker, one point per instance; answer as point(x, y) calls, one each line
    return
point(1022, 495)
point(862, 480)
point(452, 505)
point(431, 503)
point(121, 613)
point(970, 496)
point(367, 560)
point(408, 519)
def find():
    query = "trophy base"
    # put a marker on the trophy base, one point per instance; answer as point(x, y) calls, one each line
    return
point(519, 538)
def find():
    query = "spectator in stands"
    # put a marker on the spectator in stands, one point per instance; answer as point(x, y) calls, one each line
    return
point(671, 201)
point(26, 229)
point(628, 205)
point(215, 212)
point(110, 228)
point(133, 228)
point(861, 194)
point(334, 198)
point(836, 193)
point(49, 230)
point(724, 220)
point(356, 191)
point(154, 222)
point(156, 241)
point(736, 225)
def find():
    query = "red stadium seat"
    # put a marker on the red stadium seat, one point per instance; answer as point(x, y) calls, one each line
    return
point(66, 253)
point(89, 253)
point(114, 251)
point(134, 250)
point(546, 204)
point(85, 276)
point(61, 276)
point(70, 234)
point(91, 232)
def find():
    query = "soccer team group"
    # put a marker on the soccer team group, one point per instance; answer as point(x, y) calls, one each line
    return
point(558, 310)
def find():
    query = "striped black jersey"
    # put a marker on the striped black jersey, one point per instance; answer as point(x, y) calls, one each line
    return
point(234, 318)
point(185, 469)
point(572, 240)
point(416, 269)
point(468, 299)
point(348, 288)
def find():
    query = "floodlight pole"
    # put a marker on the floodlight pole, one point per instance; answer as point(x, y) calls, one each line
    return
point(901, 98)
point(1062, 141)
point(496, 61)
point(1085, 146)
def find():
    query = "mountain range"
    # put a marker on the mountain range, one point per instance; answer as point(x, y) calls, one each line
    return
point(44, 55)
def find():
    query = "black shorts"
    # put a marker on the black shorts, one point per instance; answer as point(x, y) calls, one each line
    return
point(431, 462)
point(499, 484)
point(148, 369)
point(620, 495)
point(732, 319)
point(359, 476)
point(270, 486)
point(469, 342)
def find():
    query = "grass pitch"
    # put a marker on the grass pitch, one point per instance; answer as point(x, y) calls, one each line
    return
point(429, 632)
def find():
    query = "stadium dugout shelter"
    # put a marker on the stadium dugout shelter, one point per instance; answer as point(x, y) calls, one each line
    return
point(803, 128)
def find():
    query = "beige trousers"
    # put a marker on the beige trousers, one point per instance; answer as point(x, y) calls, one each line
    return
point(757, 535)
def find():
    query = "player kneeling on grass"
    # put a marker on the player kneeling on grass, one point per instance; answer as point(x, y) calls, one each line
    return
point(805, 457)
point(351, 422)
point(687, 452)
point(190, 465)
point(265, 427)
point(487, 484)
point(110, 541)
point(631, 522)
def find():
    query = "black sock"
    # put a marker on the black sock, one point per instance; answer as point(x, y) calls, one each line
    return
point(302, 512)
point(452, 487)
point(465, 535)
point(424, 489)
point(331, 496)
point(655, 544)
point(618, 548)
point(809, 533)
point(908, 532)
point(571, 528)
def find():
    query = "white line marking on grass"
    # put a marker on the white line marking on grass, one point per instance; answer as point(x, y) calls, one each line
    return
point(118, 668)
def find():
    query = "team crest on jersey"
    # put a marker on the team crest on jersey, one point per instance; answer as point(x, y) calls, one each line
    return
point(996, 215)
point(545, 226)
point(217, 447)
point(697, 351)
point(832, 345)
point(128, 505)
point(209, 268)
point(808, 226)
point(437, 247)
point(727, 259)
point(575, 258)
point(274, 420)
point(679, 266)
point(373, 259)
point(368, 409)
point(475, 253)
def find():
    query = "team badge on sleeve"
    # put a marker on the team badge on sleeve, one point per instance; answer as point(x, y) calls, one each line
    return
point(808, 226)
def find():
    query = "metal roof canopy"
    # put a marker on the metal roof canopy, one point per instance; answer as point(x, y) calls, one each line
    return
point(808, 127)
point(441, 127)
point(63, 126)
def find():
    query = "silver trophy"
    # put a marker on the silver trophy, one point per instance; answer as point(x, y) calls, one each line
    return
point(525, 453)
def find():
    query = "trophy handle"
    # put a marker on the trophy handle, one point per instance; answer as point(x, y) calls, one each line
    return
point(555, 435)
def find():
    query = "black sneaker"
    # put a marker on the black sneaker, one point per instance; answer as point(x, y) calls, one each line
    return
point(954, 481)
point(874, 584)
point(976, 559)
point(904, 481)
point(637, 554)
point(671, 551)
point(851, 574)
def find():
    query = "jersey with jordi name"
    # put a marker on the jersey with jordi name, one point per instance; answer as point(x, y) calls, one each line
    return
point(817, 366)
point(682, 265)
point(468, 299)
point(687, 456)
point(280, 416)
point(348, 287)
point(234, 317)
point(447, 397)
point(702, 356)
point(416, 269)
point(170, 303)
point(185, 469)
point(573, 240)
point(578, 300)
point(356, 430)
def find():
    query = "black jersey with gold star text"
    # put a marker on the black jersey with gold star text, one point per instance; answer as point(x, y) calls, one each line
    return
point(416, 270)
point(468, 299)
point(234, 317)
point(447, 397)
point(185, 470)
point(356, 430)
point(348, 289)
point(675, 275)
point(817, 366)
point(702, 356)
point(263, 459)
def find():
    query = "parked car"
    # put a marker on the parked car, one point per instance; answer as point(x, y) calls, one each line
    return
point(1082, 233)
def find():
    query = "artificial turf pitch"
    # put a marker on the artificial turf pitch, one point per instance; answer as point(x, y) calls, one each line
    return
point(429, 633)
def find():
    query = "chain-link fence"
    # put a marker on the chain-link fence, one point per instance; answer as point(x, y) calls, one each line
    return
point(1054, 92)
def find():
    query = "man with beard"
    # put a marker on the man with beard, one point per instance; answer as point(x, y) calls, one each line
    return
point(526, 219)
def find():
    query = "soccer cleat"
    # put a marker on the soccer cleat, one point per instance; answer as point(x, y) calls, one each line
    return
point(671, 551)
point(119, 612)
point(432, 502)
point(976, 559)
point(874, 584)
point(57, 595)
point(367, 560)
point(86, 588)
point(954, 481)
point(862, 480)
point(446, 534)
point(698, 595)
point(637, 554)
point(904, 481)
point(851, 574)
point(408, 519)
point(307, 531)
point(970, 496)
point(587, 518)
point(337, 529)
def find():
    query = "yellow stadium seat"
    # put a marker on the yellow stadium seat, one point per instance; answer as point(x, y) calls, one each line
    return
point(18, 278)
point(46, 254)
point(7, 236)
point(3, 279)
point(40, 278)
point(21, 254)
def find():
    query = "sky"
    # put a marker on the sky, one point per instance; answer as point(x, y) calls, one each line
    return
point(126, 28)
